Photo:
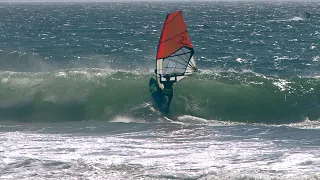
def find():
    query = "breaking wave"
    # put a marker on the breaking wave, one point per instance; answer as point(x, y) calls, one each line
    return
point(97, 94)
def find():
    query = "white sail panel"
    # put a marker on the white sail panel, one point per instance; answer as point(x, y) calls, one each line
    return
point(180, 64)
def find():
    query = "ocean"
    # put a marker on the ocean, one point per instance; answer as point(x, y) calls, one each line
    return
point(75, 102)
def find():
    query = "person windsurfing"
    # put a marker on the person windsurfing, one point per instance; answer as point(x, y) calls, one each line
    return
point(167, 90)
point(174, 60)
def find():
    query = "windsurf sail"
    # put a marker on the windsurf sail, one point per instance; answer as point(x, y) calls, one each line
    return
point(175, 50)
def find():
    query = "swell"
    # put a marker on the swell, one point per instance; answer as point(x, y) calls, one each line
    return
point(95, 94)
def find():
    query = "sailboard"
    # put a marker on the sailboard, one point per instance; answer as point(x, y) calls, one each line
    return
point(175, 55)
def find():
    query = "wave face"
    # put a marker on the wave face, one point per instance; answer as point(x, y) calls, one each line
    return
point(95, 94)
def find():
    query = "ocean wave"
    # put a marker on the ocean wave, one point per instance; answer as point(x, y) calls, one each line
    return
point(111, 95)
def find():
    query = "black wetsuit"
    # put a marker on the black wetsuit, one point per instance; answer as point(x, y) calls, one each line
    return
point(168, 90)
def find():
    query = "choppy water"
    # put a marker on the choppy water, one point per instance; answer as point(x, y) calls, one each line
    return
point(92, 150)
point(74, 100)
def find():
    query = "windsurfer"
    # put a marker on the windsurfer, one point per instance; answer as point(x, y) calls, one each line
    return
point(168, 90)
point(174, 60)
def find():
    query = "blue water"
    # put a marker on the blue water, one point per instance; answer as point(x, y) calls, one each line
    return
point(75, 103)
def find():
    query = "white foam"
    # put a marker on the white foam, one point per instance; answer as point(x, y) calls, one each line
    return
point(192, 119)
point(123, 119)
point(230, 70)
point(296, 18)
point(316, 58)
point(197, 120)
point(240, 60)
point(282, 84)
point(307, 124)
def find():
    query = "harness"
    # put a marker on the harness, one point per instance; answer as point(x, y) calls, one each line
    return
point(167, 91)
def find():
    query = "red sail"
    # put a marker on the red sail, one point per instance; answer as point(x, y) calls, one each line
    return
point(174, 35)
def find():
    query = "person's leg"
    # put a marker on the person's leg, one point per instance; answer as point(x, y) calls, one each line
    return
point(169, 101)
point(164, 103)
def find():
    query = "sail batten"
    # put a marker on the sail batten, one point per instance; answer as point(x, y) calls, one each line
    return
point(173, 37)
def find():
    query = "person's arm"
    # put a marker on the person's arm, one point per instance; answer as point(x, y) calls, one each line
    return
point(161, 80)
